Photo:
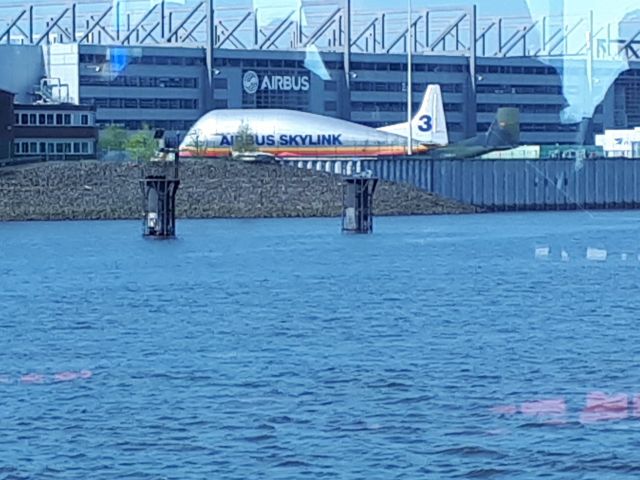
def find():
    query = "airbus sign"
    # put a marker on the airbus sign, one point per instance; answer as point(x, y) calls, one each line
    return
point(252, 83)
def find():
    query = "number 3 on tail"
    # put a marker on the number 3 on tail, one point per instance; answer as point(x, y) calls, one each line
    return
point(426, 124)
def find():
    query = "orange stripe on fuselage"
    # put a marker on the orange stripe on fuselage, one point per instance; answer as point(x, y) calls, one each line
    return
point(354, 150)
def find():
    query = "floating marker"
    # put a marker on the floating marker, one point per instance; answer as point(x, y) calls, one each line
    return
point(624, 257)
point(564, 256)
point(596, 254)
point(542, 252)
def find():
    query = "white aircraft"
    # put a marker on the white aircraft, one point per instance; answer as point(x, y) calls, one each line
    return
point(291, 133)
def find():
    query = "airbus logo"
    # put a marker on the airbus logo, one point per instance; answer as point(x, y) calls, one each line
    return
point(251, 83)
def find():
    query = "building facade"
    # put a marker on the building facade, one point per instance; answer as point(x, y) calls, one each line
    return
point(164, 65)
point(167, 87)
point(54, 131)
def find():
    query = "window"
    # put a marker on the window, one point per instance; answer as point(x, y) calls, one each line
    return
point(51, 147)
point(194, 61)
point(33, 147)
point(148, 82)
point(43, 147)
point(49, 118)
point(119, 81)
point(85, 147)
point(84, 119)
point(452, 88)
point(129, 103)
point(189, 104)
point(33, 119)
point(67, 119)
point(59, 119)
point(190, 83)
point(76, 147)
point(330, 106)
point(147, 103)
point(41, 119)
point(59, 148)
point(24, 119)
point(17, 119)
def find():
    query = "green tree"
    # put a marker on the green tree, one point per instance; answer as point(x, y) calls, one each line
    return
point(245, 140)
point(141, 145)
point(113, 138)
point(197, 142)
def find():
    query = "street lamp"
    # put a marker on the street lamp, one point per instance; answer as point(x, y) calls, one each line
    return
point(409, 79)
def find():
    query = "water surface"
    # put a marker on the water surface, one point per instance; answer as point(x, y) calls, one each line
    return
point(283, 349)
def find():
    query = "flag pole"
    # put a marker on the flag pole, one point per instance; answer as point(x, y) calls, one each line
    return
point(409, 79)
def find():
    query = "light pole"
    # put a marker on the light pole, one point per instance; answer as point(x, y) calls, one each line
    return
point(409, 79)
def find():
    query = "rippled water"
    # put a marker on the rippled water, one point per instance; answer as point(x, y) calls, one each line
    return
point(439, 347)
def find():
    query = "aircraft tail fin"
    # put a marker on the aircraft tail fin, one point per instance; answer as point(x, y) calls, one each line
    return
point(504, 132)
point(429, 124)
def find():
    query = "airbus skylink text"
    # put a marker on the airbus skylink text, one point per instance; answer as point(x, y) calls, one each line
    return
point(287, 140)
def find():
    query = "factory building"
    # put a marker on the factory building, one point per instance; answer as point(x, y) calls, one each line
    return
point(166, 87)
point(165, 75)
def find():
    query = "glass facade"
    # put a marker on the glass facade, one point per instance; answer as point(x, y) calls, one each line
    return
point(169, 91)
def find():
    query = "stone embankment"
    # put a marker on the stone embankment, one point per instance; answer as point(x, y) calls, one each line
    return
point(209, 189)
